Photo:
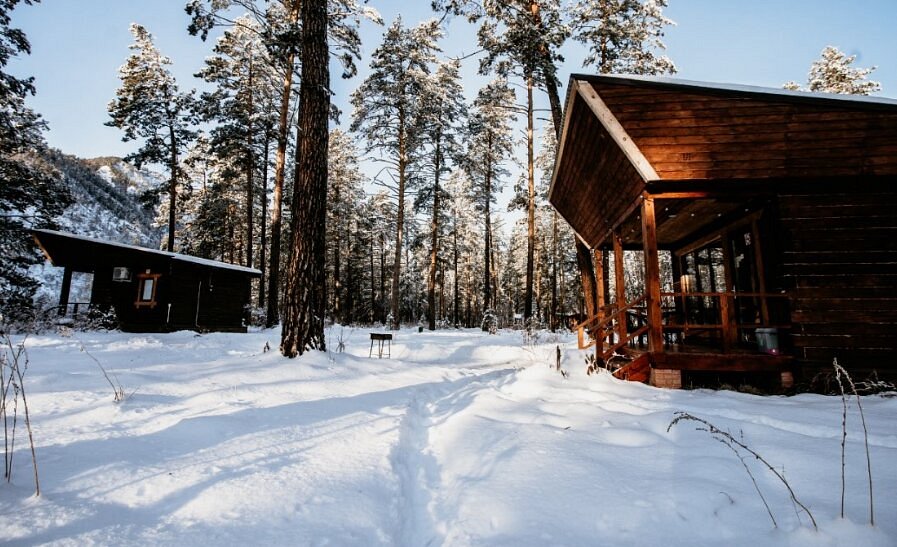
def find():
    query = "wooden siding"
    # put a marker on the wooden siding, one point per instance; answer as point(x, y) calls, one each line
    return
point(708, 135)
point(839, 258)
point(596, 182)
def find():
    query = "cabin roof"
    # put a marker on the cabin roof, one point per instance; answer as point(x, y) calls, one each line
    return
point(52, 242)
point(625, 137)
point(741, 90)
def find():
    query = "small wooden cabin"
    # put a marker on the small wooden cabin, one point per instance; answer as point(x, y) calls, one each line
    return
point(152, 290)
point(767, 220)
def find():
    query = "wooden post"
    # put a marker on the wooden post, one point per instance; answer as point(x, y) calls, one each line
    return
point(728, 313)
point(652, 276)
point(620, 281)
point(761, 273)
point(64, 291)
point(598, 259)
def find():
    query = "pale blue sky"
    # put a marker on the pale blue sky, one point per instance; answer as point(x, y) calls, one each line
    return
point(79, 45)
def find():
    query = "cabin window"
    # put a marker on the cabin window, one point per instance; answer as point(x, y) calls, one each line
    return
point(147, 284)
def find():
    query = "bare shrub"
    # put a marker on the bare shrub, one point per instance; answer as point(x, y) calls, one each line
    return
point(118, 392)
point(743, 452)
point(13, 366)
point(839, 373)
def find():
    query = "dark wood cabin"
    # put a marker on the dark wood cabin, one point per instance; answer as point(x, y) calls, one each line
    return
point(152, 290)
point(761, 215)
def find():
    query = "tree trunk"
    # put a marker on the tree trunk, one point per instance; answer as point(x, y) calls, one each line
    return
point(552, 320)
point(337, 266)
point(172, 186)
point(456, 300)
point(583, 255)
point(400, 224)
point(487, 274)
point(305, 299)
point(434, 241)
point(530, 203)
point(250, 170)
point(264, 225)
point(273, 312)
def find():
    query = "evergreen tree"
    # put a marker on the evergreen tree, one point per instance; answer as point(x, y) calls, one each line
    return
point(833, 73)
point(150, 106)
point(281, 32)
point(623, 36)
point(305, 295)
point(245, 84)
point(444, 112)
point(344, 195)
point(388, 112)
point(489, 147)
point(515, 36)
point(31, 194)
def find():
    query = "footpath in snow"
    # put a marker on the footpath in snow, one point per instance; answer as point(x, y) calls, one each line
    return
point(460, 438)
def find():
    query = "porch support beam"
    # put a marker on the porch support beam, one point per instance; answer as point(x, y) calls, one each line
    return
point(727, 314)
point(598, 260)
point(652, 277)
point(65, 290)
point(620, 284)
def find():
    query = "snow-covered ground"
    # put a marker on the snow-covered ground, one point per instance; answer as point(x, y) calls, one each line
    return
point(459, 439)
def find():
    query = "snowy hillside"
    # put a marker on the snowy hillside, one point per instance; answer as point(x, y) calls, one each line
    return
point(459, 439)
point(105, 208)
point(123, 175)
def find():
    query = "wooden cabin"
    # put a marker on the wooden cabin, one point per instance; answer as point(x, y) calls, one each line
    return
point(767, 220)
point(152, 290)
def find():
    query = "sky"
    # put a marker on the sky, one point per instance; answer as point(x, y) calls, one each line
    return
point(77, 48)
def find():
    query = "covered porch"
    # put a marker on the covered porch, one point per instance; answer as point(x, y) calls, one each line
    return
point(694, 294)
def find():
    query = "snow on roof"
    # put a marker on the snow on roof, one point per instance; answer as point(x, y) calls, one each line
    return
point(741, 89)
point(173, 256)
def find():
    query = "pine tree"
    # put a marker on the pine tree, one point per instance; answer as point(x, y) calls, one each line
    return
point(31, 193)
point(281, 31)
point(623, 36)
point(344, 196)
point(149, 106)
point(833, 73)
point(444, 113)
point(305, 297)
point(245, 83)
point(489, 147)
point(515, 36)
point(388, 108)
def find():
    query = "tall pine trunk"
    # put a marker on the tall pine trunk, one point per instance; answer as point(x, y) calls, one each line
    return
point(583, 255)
point(400, 223)
point(173, 186)
point(434, 240)
point(273, 312)
point(250, 171)
point(264, 236)
point(487, 274)
point(456, 299)
point(305, 299)
point(530, 202)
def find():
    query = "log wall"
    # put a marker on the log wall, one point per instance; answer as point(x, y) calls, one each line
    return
point(839, 260)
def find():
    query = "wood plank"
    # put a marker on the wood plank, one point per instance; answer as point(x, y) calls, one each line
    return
point(616, 131)
point(619, 282)
point(725, 362)
point(652, 277)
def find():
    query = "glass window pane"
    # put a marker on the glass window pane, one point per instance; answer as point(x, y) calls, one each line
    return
point(147, 293)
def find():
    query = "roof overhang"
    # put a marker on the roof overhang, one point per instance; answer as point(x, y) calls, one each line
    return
point(82, 253)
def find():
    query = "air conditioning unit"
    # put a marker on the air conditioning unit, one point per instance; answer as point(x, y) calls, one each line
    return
point(121, 274)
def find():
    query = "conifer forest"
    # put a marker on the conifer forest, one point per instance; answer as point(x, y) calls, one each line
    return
point(425, 204)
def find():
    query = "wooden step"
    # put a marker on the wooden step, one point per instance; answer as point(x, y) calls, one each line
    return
point(637, 370)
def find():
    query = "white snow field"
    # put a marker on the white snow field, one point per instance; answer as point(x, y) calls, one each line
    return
point(460, 438)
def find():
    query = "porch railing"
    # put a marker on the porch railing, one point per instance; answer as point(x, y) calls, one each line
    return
point(721, 320)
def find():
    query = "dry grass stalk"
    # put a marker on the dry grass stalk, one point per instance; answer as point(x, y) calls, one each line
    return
point(737, 446)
